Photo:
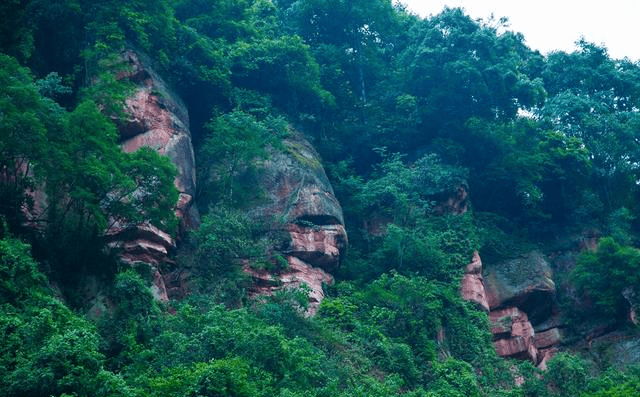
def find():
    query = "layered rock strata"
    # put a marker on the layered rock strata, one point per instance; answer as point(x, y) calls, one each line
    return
point(525, 282)
point(300, 199)
point(519, 296)
point(513, 334)
point(156, 118)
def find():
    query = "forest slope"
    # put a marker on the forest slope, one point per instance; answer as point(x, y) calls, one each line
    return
point(442, 138)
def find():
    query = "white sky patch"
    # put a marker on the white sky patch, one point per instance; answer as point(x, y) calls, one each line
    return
point(550, 25)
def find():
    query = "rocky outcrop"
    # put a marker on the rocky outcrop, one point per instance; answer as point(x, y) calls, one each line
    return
point(318, 245)
point(513, 334)
point(472, 285)
point(155, 118)
point(297, 274)
point(525, 282)
point(548, 338)
point(300, 199)
point(517, 294)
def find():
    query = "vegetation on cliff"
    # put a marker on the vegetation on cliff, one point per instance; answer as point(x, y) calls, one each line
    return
point(441, 136)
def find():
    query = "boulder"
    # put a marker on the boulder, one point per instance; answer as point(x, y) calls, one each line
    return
point(472, 285)
point(296, 186)
point(320, 246)
point(525, 282)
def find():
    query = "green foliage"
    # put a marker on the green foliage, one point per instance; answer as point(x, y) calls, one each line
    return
point(71, 163)
point(229, 157)
point(405, 234)
point(47, 349)
point(455, 378)
point(605, 273)
point(544, 146)
point(26, 119)
point(567, 375)
point(226, 241)
point(19, 273)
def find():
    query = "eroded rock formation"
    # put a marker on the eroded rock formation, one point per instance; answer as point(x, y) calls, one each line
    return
point(472, 288)
point(156, 118)
point(301, 199)
point(525, 282)
point(513, 334)
point(519, 295)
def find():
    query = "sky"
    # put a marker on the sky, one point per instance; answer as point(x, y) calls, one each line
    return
point(550, 25)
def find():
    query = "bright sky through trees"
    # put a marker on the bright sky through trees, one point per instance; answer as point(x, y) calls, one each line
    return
point(557, 24)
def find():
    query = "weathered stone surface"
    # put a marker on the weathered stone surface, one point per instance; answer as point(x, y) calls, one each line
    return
point(513, 334)
point(525, 282)
point(158, 288)
point(548, 338)
point(299, 195)
point(318, 245)
point(297, 187)
point(298, 273)
point(617, 347)
point(155, 118)
point(472, 285)
point(516, 348)
point(544, 355)
point(141, 243)
point(555, 321)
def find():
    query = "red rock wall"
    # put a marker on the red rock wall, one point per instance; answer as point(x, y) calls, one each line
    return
point(156, 118)
point(513, 333)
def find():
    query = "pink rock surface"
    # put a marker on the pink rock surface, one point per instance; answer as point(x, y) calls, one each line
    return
point(299, 195)
point(513, 334)
point(472, 285)
point(298, 273)
point(544, 355)
point(319, 245)
point(547, 338)
point(525, 282)
point(155, 118)
point(158, 287)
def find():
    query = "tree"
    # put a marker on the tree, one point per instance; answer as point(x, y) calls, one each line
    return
point(27, 120)
point(605, 273)
point(229, 156)
point(72, 163)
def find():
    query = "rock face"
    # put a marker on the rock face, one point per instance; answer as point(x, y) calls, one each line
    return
point(525, 282)
point(297, 274)
point(472, 288)
point(517, 294)
point(513, 334)
point(156, 118)
point(301, 199)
